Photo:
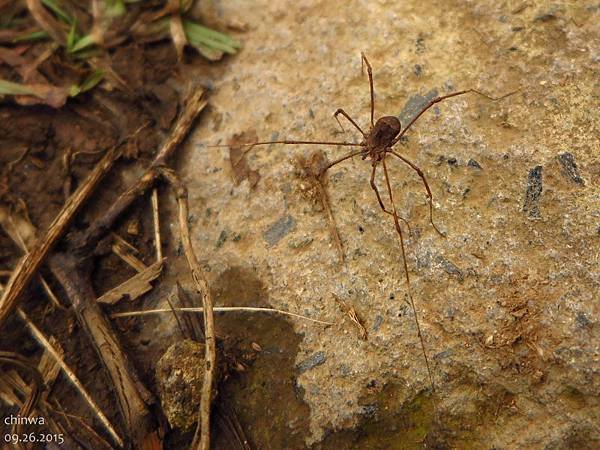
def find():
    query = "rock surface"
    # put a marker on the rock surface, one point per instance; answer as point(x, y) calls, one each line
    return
point(508, 301)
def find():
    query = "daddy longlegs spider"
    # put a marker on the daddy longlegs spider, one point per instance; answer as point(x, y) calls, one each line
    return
point(377, 144)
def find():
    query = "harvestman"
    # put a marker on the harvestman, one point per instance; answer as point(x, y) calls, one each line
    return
point(377, 145)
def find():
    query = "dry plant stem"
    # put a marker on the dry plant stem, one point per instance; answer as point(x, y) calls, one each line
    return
point(181, 330)
point(132, 396)
point(145, 312)
point(192, 323)
point(44, 342)
point(14, 231)
point(203, 427)
point(46, 21)
point(193, 106)
point(29, 264)
point(156, 220)
point(330, 219)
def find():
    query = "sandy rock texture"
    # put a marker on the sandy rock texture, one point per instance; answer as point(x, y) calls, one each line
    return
point(508, 301)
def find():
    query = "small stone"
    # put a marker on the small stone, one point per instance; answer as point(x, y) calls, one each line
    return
point(180, 375)
point(314, 360)
point(256, 347)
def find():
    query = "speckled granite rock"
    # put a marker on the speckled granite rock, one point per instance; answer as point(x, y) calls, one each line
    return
point(509, 300)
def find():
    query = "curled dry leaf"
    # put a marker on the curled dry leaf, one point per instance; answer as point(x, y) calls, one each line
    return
point(237, 158)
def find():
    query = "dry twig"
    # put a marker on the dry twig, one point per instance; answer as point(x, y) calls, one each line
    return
point(210, 357)
point(145, 312)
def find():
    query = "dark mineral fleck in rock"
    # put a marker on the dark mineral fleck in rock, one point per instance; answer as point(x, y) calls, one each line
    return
point(377, 323)
point(314, 360)
point(449, 267)
point(569, 168)
point(582, 320)
point(474, 164)
point(442, 355)
point(533, 193)
point(279, 229)
point(222, 239)
point(414, 105)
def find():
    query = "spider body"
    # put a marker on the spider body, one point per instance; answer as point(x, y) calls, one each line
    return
point(380, 138)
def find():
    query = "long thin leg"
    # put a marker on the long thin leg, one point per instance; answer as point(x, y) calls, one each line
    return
point(444, 97)
point(412, 302)
point(343, 113)
point(365, 61)
point(254, 144)
point(429, 196)
point(339, 160)
point(374, 187)
point(251, 146)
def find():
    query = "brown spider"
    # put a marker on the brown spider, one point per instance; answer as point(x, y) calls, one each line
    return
point(377, 144)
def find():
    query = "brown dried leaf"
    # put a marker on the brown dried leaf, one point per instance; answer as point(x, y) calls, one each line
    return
point(134, 287)
point(237, 158)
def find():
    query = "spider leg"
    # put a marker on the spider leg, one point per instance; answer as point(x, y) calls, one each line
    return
point(365, 61)
point(412, 302)
point(339, 160)
point(343, 113)
point(441, 98)
point(429, 196)
point(287, 142)
point(374, 187)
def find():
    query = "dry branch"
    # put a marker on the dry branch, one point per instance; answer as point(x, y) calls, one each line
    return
point(132, 396)
point(210, 357)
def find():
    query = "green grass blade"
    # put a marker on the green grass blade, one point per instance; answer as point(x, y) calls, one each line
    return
point(83, 43)
point(204, 33)
point(10, 88)
point(198, 35)
point(71, 37)
point(92, 80)
point(53, 6)
point(34, 36)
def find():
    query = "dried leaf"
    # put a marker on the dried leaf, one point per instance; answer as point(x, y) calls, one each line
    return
point(136, 286)
point(178, 35)
point(237, 158)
